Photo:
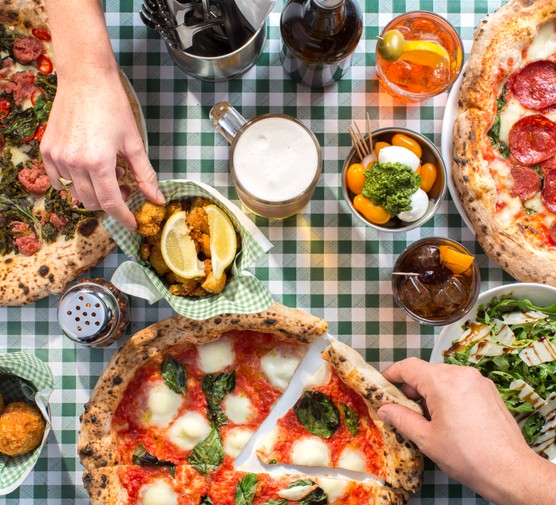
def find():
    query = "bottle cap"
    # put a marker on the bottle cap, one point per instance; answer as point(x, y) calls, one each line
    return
point(89, 314)
point(329, 4)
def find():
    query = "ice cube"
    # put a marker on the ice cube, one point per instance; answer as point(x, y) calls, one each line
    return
point(450, 294)
point(413, 294)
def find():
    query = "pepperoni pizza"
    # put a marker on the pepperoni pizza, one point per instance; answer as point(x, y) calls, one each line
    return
point(181, 399)
point(47, 238)
point(505, 138)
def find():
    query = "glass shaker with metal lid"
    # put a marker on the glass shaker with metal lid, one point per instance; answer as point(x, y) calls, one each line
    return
point(93, 312)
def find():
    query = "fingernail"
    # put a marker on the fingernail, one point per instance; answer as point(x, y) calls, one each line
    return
point(160, 196)
point(384, 416)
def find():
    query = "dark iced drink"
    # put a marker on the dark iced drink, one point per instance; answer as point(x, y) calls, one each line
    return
point(436, 281)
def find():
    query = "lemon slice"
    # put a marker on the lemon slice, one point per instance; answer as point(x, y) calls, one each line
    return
point(178, 248)
point(423, 52)
point(223, 241)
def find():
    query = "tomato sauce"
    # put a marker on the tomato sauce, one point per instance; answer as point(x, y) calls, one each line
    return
point(131, 425)
point(368, 439)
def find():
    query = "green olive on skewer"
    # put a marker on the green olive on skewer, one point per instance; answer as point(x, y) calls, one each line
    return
point(390, 45)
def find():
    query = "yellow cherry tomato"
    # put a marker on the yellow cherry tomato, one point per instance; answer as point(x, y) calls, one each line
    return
point(371, 212)
point(402, 140)
point(379, 146)
point(356, 178)
point(428, 176)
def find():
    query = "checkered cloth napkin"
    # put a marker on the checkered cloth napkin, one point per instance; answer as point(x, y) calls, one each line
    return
point(23, 377)
point(243, 294)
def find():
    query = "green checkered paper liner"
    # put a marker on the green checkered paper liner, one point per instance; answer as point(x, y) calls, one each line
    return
point(36, 387)
point(243, 294)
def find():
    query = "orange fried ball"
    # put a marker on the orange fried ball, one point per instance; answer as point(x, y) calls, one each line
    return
point(21, 429)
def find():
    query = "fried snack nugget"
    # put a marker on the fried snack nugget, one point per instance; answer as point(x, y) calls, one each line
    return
point(21, 429)
point(149, 217)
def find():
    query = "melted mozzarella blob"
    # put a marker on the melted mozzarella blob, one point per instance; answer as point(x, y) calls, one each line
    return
point(279, 369)
point(189, 430)
point(334, 488)
point(311, 452)
point(238, 408)
point(351, 459)
point(216, 356)
point(267, 445)
point(158, 493)
point(235, 440)
point(163, 405)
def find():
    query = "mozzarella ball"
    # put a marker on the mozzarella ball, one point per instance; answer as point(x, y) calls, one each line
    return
point(367, 160)
point(397, 154)
point(419, 206)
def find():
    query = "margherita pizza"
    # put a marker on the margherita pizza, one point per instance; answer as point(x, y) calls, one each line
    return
point(182, 398)
point(334, 424)
point(47, 238)
point(505, 138)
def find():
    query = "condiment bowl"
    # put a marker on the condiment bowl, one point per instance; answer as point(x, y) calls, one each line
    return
point(436, 193)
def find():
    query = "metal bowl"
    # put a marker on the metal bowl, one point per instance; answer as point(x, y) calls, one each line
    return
point(225, 67)
point(436, 194)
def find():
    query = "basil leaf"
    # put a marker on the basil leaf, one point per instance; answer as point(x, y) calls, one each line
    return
point(301, 482)
point(205, 500)
point(316, 497)
point(351, 418)
point(246, 489)
point(142, 457)
point(174, 374)
point(276, 502)
point(317, 413)
point(494, 135)
point(216, 387)
point(207, 456)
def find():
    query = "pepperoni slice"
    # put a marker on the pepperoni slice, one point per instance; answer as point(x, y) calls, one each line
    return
point(526, 182)
point(552, 232)
point(533, 139)
point(548, 193)
point(534, 86)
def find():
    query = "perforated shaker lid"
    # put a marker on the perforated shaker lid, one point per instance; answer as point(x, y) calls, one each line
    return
point(88, 313)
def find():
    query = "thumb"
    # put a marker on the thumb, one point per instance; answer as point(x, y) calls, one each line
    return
point(406, 421)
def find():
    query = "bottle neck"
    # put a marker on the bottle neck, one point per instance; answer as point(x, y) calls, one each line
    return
point(325, 16)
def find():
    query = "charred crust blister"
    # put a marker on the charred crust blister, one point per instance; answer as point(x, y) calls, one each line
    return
point(117, 380)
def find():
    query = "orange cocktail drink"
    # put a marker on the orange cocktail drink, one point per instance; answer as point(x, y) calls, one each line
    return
point(419, 55)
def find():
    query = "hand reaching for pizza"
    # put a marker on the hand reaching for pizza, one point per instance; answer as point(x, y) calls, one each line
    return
point(468, 432)
point(91, 122)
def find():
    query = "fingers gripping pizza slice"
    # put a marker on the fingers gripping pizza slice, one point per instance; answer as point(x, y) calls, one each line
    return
point(334, 424)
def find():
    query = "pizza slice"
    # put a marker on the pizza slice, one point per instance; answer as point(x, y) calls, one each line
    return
point(193, 393)
point(151, 485)
point(335, 424)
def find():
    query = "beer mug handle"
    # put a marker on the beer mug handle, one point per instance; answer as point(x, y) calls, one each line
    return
point(227, 120)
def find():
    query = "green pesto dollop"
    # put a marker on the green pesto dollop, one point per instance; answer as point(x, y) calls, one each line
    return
point(391, 185)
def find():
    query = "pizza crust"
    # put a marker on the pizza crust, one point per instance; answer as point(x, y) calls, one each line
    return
point(403, 461)
point(96, 445)
point(104, 486)
point(497, 52)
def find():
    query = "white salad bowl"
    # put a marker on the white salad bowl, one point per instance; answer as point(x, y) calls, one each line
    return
point(538, 294)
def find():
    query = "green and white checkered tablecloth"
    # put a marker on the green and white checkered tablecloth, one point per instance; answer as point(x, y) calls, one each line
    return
point(323, 260)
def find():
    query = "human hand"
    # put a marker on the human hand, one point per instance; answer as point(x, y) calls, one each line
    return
point(469, 432)
point(91, 122)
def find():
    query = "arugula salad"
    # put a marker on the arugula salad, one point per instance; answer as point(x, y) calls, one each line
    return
point(513, 343)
